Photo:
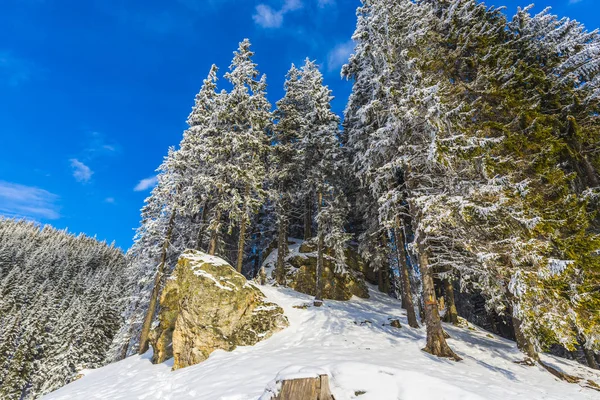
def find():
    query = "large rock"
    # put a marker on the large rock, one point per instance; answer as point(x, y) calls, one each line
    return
point(336, 286)
point(207, 305)
point(302, 273)
point(354, 261)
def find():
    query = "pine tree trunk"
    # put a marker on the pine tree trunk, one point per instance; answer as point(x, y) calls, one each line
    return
point(436, 342)
point(589, 355)
point(452, 313)
point(241, 244)
point(319, 273)
point(383, 274)
point(590, 358)
point(214, 238)
point(144, 336)
point(202, 230)
point(242, 238)
point(308, 217)
point(407, 299)
point(523, 342)
point(281, 251)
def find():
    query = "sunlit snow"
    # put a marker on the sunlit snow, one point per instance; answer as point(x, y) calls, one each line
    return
point(352, 341)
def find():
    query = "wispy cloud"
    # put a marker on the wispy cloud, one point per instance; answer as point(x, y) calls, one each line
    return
point(575, 1)
point(325, 3)
point(98, 145)
point(146, 184)
point(14, 70)
point(339, 55)
point(81, 172)
point(110, 200)
point(267, 17)
point(27, 201)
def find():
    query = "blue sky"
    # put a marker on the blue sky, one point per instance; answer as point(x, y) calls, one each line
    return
point(93, 92)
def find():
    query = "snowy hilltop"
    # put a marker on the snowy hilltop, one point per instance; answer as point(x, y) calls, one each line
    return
point(353, 342)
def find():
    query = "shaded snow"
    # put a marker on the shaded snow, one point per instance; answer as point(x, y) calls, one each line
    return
point(270, 262)
point(354, 343)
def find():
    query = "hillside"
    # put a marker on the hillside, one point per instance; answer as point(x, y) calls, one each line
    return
point(61, 299)
point(351, 342)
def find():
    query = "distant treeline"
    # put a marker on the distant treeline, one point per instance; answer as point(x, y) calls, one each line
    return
point(61, 299)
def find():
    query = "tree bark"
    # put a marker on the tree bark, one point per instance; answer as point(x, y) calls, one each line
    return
point(590, 357)
point(523, 343)
point(308, 217)
point(452, 313)
point(383, 274)
point(202, 230)
point(144, 336)
point(214, 238)
point(407, 299)
point(281, 249)
point(381, 283)
point(436, 342)
point(319, 273)
point(242, 237)
point(241, 244)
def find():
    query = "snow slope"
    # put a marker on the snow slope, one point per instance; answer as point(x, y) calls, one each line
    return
point(366, 360)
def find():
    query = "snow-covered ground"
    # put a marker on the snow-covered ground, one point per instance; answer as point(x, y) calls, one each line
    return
point(365, 357)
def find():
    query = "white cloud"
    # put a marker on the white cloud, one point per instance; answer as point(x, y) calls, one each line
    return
point(339, 55)
point(146, 184)
point(27, 201)
point(109, 200)
point(99, 145)
point(267, 17)
point(81, 172)
point(291, 5)
point(574, 1)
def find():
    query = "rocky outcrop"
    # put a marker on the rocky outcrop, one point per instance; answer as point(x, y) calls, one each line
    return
point(336, 286)
point(207, 305)
point(302, 268)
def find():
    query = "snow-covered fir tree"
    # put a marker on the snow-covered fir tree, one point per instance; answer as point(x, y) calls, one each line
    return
point(61, 299)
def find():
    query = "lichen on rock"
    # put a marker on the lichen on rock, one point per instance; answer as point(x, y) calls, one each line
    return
point(336, 285)
point(301, 266)
point(207, 305)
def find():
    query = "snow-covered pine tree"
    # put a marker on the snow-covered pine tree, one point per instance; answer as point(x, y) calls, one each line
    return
point(51, 278)
point(323, 164)
point(286, 160)
point(367, 115)
point(162, 210)
point(244, 120)
point(174, 217)
point(513, 122)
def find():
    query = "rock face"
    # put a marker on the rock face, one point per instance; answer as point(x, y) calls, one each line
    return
point(207, 305)
point(337, 286)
